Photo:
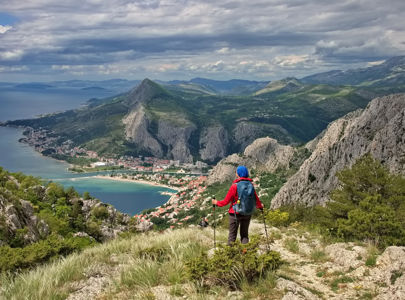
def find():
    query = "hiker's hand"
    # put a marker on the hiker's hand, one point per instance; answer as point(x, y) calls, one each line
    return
point(214, 201)
point(261, 208)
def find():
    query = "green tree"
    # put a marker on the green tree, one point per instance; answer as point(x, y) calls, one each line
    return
point(86, 195)
point(369, 204)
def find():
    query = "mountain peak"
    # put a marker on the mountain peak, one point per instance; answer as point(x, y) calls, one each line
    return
point(145, 91)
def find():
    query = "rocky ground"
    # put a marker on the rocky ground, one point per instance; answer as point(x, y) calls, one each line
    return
point(312, 270)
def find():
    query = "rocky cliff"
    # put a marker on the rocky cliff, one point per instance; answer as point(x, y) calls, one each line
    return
point(154, 131)
point(136, 131)
point(264, 154)
point(379, 129)
point(214, 143)
point(19, 215)
point(176, 138)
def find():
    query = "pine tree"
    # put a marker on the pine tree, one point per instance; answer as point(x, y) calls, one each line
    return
point(369, 204)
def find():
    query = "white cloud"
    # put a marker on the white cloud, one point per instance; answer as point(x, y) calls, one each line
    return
point(223, 50)
point(11, 55)
point(291, 60)
point(13, 69)
point(375, 63)
point(229, 38)
point(4, 29)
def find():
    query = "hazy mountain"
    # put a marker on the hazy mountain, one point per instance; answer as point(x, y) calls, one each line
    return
point(112, 85)
point(390, 72)
point(231, 87)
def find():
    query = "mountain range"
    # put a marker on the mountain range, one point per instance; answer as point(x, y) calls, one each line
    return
point(205, 120)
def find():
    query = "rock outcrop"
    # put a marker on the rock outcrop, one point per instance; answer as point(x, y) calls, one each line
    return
point(246, 132)
point(268, 154)
point(379, 130)
point(136, 131)
point(176, 139)
point(21, 224)
point(214, 142)
point(112, 224)
point(19, 215)
point(265, 154)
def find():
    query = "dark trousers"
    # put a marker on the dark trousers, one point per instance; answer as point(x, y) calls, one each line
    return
point(234, 222)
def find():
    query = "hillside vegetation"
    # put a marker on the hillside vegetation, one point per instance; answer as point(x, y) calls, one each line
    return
point(40, 221)
point(348, 249)
point(195, 121)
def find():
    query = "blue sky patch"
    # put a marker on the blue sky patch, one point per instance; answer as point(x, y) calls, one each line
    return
point(7, 19)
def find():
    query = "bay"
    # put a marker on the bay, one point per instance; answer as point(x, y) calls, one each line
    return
point(127, 197)
point(21, 104)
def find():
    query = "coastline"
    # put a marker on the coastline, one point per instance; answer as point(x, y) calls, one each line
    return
point(116, 178)
point(69, 165)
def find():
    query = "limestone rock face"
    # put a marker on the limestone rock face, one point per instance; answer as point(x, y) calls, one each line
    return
point(136, 131)
point(269, 153)
point(176, 139)
point(19, 216)
point(214, 142)
point(391, 265)
point(343, 258)
point(245, 133)
point(112, 225)
point(225, 169)
point(294, 291)
point(379, 130)
point(144, 226)
point(264, 153)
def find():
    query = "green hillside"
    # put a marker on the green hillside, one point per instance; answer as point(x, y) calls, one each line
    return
point(289, 110)
point(40, 221)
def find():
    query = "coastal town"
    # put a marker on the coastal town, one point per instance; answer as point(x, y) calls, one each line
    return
point(186, 207)
point(45, 142)
point(188, 202)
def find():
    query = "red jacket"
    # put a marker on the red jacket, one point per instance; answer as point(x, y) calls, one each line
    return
point(232, 196)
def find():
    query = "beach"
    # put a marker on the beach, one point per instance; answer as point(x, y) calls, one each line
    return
point(120, 178)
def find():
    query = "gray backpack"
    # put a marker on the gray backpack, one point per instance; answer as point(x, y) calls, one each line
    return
point(246, 203)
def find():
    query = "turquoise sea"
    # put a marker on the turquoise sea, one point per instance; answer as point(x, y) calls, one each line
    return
point(127, 197)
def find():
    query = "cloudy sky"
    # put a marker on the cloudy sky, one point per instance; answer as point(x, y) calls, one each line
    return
point(44, 40)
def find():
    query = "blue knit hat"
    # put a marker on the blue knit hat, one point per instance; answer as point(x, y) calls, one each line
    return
point(242, 171)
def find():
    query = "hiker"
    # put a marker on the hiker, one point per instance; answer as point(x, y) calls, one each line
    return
point(243, 219)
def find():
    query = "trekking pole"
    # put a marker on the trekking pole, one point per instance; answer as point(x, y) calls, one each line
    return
point(215, 225)
point(265, 230)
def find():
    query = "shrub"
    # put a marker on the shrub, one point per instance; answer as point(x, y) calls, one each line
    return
point(277, 218)
point(93, 229)
point(56, 224)
point(18, 239)
point(12, 259)
point(231, 265)
point(100, 212)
